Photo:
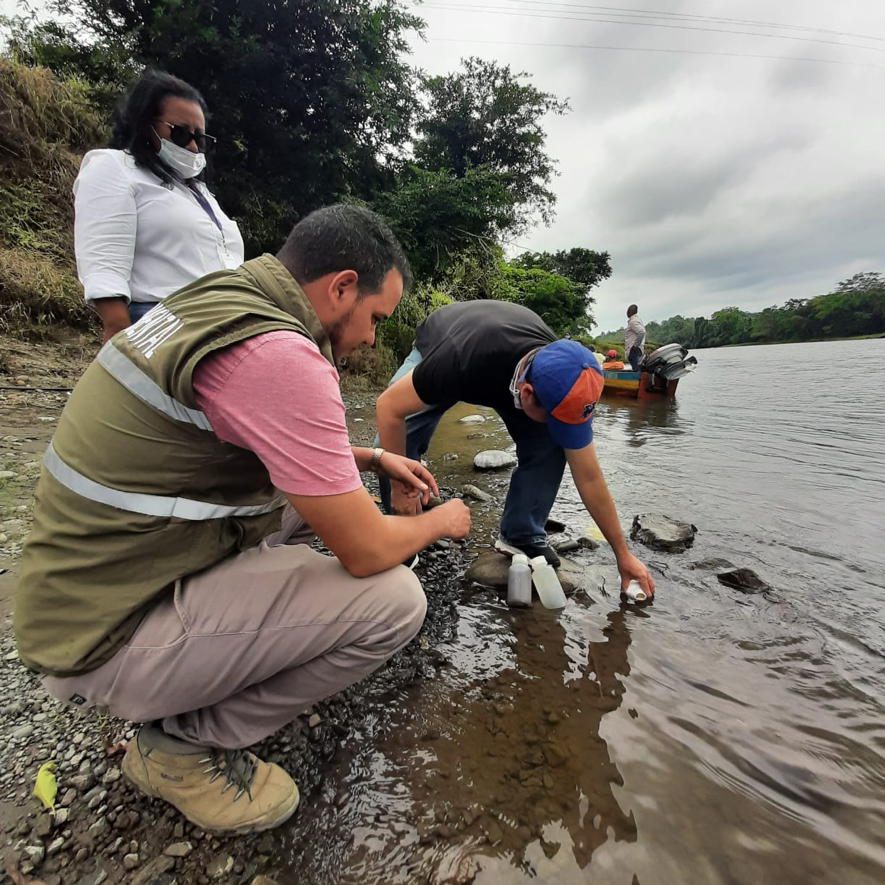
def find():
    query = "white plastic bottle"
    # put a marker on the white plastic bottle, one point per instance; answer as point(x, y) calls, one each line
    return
point(547, 583)
point(519, 582)
point(635, 593)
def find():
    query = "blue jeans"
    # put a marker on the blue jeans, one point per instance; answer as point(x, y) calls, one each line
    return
point(137, 309)
point(535, 481)
point(635, 357)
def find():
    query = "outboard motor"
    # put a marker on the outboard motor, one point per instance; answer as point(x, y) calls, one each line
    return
point(669, 362)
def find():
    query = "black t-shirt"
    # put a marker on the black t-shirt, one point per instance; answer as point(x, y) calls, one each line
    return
point(470, 350)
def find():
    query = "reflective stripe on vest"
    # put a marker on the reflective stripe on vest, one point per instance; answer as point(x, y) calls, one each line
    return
point(147, 505)
point(122, 369)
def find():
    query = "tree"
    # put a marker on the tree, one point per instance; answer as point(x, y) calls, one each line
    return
point(439, 217)
point(484, 118)
point(549, 295)
point(583, 267)
point(856, 307)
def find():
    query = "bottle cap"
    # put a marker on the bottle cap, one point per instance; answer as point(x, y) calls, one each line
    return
point(538, 560)
point(521, 558)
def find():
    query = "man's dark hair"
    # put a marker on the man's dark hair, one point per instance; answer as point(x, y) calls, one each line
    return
point(632, 310)
point(344, 237)
point(135, 114)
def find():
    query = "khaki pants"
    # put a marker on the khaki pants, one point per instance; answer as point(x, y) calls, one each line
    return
point(239, 650)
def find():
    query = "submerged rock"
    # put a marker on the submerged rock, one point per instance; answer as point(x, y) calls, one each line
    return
point(490, 570)
point(745, 580)
point(711, 565)
point(492, 459)
point(662, 532)
point(472, 419)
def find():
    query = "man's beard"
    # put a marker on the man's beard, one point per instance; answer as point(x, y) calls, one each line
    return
point(336, 333)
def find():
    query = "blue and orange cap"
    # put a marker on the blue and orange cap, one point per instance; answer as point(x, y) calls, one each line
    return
point(567, 382)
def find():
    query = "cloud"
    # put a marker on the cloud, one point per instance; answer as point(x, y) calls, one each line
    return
point(712, 180)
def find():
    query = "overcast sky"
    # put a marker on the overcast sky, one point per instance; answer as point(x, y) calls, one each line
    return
point(711, 180)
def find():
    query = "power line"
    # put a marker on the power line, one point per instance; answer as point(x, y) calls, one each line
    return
point(500, 11)
point(825, 61)
point(628, 12)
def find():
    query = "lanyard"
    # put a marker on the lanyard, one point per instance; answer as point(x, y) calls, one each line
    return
point(198, 196)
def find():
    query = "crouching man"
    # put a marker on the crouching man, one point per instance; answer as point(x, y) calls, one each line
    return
point(168, 581)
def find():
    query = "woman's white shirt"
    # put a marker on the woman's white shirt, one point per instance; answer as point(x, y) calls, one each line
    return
point(140, 239)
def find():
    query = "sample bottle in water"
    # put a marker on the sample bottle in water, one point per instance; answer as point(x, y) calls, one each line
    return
point(519, 582)
point(635, 593)
point(547, 583)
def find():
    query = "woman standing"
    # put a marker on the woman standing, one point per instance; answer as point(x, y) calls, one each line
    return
point(146, 224)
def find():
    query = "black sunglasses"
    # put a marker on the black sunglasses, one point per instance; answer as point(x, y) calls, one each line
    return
point(182, 136)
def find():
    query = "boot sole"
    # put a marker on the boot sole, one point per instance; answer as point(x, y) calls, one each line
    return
point(257, 827)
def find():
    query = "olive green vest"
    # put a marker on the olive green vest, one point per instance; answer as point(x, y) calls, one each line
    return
point(136, 490)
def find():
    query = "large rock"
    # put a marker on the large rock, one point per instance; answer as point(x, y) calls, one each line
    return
point(745, 580)
point(492, 459)
point(662, 532)
point(490, 570)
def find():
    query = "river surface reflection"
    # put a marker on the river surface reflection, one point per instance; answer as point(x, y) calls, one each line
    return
point(713, 737)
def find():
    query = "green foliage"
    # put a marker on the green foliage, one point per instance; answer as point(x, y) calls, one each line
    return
point(856, 308)
point(549, 295)
point(483, 117)
point(584, 268)
point(439, 216)
point(312, 103)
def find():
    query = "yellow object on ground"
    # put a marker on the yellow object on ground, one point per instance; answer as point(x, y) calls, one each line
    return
point(593, 532)
point(46, 787)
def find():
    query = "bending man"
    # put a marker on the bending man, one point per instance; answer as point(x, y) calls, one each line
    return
point(502, 355)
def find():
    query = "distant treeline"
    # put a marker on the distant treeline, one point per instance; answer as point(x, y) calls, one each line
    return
point(855, 308)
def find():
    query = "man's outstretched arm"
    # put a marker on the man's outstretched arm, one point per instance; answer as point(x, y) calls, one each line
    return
point(590, 482)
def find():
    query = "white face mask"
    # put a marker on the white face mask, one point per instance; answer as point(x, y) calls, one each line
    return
point(185, 163)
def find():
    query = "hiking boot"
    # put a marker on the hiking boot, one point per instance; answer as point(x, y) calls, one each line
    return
point(530, 550)
point(221, 791)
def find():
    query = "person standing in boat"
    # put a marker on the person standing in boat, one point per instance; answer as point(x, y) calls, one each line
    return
point(503, 355)
point(634, 338)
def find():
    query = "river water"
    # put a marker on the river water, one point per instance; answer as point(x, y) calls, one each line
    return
point(712, 737)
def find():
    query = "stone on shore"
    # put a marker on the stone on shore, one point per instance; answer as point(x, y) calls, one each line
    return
point(662, 533)
point(490, 570)
point(476, 493)
point(492, 459)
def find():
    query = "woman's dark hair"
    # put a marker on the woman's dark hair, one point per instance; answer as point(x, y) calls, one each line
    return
point(135, 114)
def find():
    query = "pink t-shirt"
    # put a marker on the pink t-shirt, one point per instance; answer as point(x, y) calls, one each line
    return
point(277, 396)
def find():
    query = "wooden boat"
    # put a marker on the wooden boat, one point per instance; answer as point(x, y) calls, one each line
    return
point(658, 374)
